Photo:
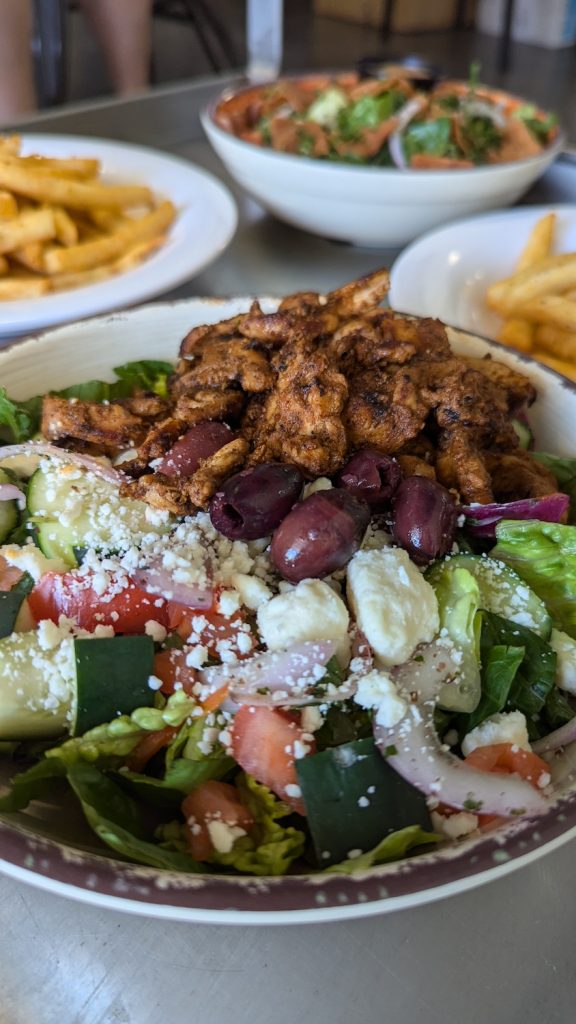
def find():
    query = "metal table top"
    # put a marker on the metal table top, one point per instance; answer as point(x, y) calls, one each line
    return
point(501, 954)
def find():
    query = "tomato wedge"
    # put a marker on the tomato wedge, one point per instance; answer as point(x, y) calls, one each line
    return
point(510, 759)
point(170, 667)
point(9, 575)
point(263, 742)
point(71, 595)
point(212, 629)
point(149, 745)
point(212, 801)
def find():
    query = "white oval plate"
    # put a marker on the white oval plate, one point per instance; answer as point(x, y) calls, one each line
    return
point(445, 273)
point(53, 852)
point(206, 222)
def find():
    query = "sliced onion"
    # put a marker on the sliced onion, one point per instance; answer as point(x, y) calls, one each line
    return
point(413, 749)
point(432, 666)
point(9, 492)
point(481, 520)
point(406, 114)
point(480, 108)
point(559, 738)
point(286, 677)
point(160, 581)
point(39, 448)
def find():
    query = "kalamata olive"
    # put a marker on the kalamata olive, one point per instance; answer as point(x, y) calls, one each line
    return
point(201, 441)
point(252, 503)
point(425, 518)
point(319, 535)
point(371, 475)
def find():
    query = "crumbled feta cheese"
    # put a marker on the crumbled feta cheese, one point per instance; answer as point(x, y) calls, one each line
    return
point(322, 483)
point(223, 836)
point(395, 607)
point(156, 630)
point(504, 727)
point(253, 591)
point(229, 602)
point(311, 719)
point(292, 790)
point(154, 682)
point(310, 611)
point(454, 826)
point(377, 690)
point(565, 648)
point(197, 656)
point(31, 560)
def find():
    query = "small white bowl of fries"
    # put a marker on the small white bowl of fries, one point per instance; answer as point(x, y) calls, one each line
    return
point(88, 225)
point(510, 276)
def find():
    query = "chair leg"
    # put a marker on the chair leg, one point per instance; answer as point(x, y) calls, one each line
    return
point(505, 38)
point(49, 50)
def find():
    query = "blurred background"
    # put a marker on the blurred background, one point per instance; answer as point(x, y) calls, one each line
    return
point(527, 46)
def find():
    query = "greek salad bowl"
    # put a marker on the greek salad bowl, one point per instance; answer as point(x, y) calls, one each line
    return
point(385, 200)
point(53, 840)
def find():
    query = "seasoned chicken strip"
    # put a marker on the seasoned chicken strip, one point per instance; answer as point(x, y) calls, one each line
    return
point(109, 426)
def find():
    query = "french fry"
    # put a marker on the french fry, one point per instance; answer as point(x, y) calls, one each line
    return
point(539, 244)
point(30, 256)
point(4, 266)
point(14, 287)
point(63, 282)
point(556, 341)
point(86, 255)
point(32, 226)
point(8, 206)
point(76, 168)
point(78, 195)
point(10, 145)
point(106, 220)
point(138, 253)
point(551, 309)
point(66, 229)
point(517, 333)
point(549, 277)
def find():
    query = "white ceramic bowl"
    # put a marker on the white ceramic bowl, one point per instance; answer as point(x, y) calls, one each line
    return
point(371, 206)
point(49, 845)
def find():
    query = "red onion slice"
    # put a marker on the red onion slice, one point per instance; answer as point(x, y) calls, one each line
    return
point(432, 666)
point(413, 749)
point(406, 114)
point(559, 738)
point(62, 455)
point(160, 581)
point(481, 520)
point(9, 492)
point(288, 678)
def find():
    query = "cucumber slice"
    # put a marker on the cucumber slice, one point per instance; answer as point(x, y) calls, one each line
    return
point(71, 687)
point(8, 511)
point(72, 508)
point(112, 676)
point(502, 590)
point(354, 799)
point(11, 602)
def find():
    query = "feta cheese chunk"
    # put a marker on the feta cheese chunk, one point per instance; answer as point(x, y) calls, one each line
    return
point(504, 727)
point(310, 611)
point(31, 560)
point(395, 607)
point(565, 648)
point(377, 690)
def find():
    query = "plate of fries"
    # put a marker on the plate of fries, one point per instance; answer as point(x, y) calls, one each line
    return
point(90, 225)
point(509, 276)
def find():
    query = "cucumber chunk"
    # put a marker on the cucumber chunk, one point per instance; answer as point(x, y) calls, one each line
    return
point(354, 799)
point(73, 508)
point(11, 602)
point(78, 683)
point(502, 590)
point(8, 511)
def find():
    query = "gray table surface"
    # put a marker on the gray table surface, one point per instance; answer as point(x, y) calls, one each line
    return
point(501, 954)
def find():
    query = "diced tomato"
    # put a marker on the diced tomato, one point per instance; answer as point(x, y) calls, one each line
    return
point(9, 575)
point(170, 666)
point(71, 595)
point(263, 742)
point(510, 759)
point(149, 745)
point(212, 628)
point(212, 801)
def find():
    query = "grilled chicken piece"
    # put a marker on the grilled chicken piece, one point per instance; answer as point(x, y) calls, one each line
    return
point(302, 418)
point(464, 399)
point(357, 296)
point(146, 406)
point(412, 465)
point(385, 409)
point(276, 329)
point(518, 475)
point(461, 467)
point(158, 491)
point(518, 388)
point(212, 472)
point(223, 362)
point(111, 427)
point(196, 339)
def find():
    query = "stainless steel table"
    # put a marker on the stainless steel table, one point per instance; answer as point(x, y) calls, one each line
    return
point(502, 954)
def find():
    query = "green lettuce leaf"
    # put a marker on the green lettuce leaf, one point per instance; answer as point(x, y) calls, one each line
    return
point(431, 137)
point(37, 783)
point(141, 850)
point(271, 847)
point(393, 847)
point(106, 745)
point(500, 664)
point(16, 423)
point(534, 678)
point(544, 555)
point(145, 375)
point(367, 112)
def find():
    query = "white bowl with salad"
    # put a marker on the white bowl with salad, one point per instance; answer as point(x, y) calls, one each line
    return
point(379, 162)
point(283, 768)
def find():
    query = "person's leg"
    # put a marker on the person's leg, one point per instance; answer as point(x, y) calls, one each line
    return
point(124, 30)
point(17, 91)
